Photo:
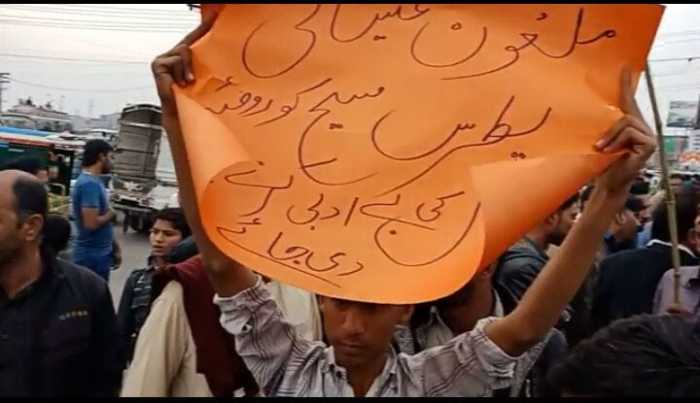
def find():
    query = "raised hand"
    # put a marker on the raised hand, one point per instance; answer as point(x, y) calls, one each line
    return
point(630, 134)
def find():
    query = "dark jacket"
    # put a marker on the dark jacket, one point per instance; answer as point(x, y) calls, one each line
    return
point(517, 269)
point(137, 297)
point(134, 306)
point(60, 336)
point(627, 282)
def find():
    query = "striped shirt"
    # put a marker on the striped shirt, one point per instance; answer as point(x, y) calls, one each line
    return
point(285, 364)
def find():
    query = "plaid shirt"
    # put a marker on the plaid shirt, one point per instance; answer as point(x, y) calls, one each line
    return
point(285, 364)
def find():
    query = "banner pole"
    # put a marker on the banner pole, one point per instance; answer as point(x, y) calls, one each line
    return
point(669, 196)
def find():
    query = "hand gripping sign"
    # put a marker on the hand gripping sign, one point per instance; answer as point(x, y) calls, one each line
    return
point(385, 153)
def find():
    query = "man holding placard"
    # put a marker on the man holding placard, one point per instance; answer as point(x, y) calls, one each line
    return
point(360, 361)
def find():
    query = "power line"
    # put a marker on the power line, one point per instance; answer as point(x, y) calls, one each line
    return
point(14, 80)
point(70, 59)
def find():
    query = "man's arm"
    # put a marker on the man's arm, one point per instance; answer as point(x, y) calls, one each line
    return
point(563, 275)
point(92, 219)
point(280, 360)
point(90, 207)
point(125, 315)
point(227, 276)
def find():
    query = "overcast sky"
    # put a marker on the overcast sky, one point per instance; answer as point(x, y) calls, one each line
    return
point(94, 58)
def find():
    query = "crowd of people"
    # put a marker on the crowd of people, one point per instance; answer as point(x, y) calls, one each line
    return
point(582, 305)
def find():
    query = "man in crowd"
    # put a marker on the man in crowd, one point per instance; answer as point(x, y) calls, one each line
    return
point(676, 181)
point(623, 231)
point(436, 323)
point(58, 330)
point(94, 246)
point(642, 356)
point(621, 235)
point(688, 296)
point(31, 165)
point(168, 230)
point(641, 189)
point(57, 231)
point(361, 362)
point(627, 280)
point(521, 263)
point(688, 292)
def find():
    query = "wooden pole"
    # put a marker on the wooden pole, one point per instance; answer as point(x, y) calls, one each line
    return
point(669, 196)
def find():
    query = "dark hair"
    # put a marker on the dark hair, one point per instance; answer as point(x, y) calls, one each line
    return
point(676, 176)
point(30, 198)
point(586, 194)
point(93, 149)
point(569, 202)
point(176, 217)
point(29, 165)
point(686, 212)
point(644, 355)
point(640, 188)
point(56, 233)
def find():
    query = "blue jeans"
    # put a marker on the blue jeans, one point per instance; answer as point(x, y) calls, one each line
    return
point(101, 265)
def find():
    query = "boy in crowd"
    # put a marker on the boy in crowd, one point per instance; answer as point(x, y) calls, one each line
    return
point(169, 229)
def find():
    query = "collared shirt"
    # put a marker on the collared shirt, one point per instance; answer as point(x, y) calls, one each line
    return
point(435, 333)
point(517, 269)
point(680, 247)
point(285, 364)
point(689, 292)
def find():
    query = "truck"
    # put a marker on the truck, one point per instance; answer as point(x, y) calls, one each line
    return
point(143, 176)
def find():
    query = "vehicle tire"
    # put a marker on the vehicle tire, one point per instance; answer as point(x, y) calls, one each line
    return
point(135, 222)
point(146, 224)
point(125, 222)
point(141, 224)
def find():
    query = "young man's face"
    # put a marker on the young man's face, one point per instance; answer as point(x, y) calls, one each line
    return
point(360, 332)
point(164, 237)
point(43, 176)
point(566, 220)
point(629, 226)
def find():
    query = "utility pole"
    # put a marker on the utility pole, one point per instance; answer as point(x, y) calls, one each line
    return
point(4, 79)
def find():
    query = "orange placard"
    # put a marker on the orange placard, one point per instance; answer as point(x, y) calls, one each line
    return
point(384, 153)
